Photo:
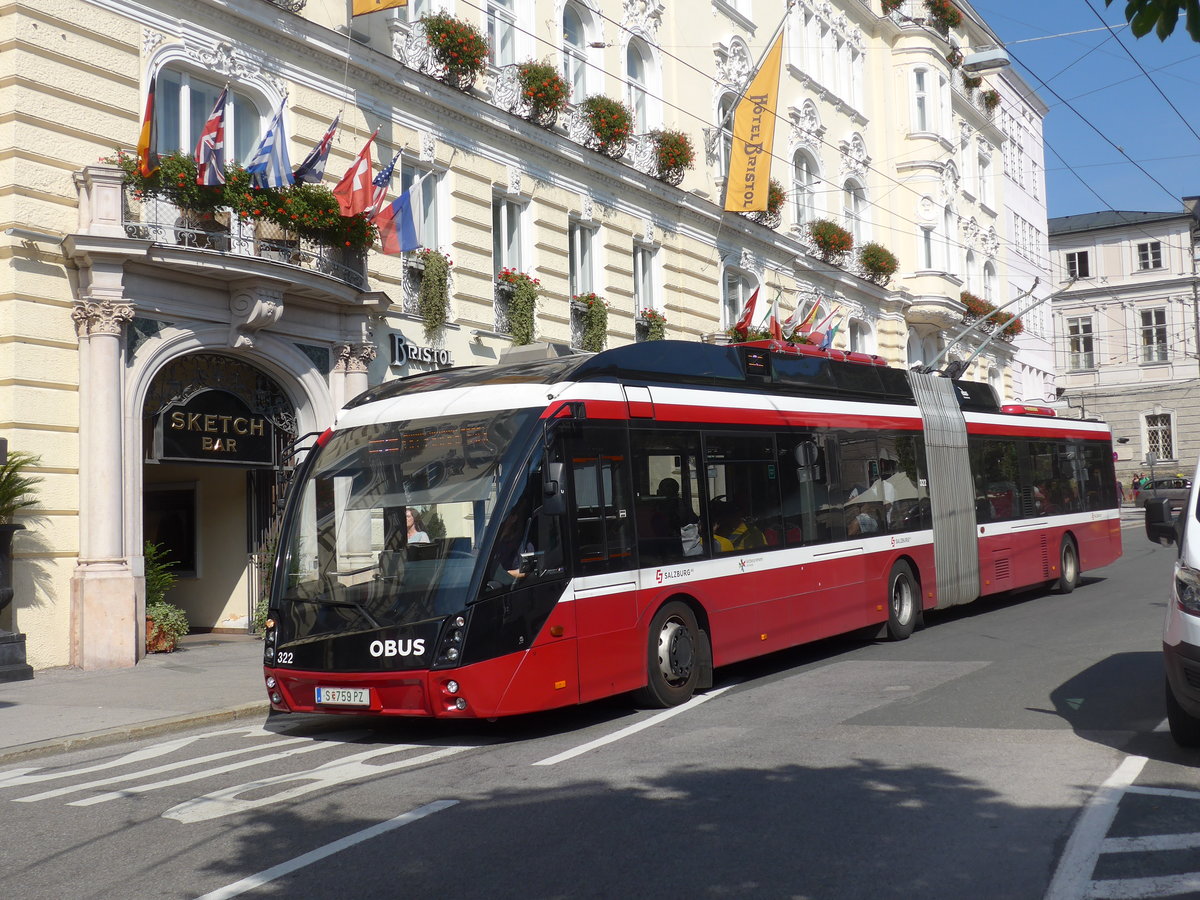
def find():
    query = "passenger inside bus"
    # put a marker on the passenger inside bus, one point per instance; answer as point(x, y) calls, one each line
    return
point(731, 531)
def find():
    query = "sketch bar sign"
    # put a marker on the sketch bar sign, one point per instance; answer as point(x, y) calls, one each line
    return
point(214, 426)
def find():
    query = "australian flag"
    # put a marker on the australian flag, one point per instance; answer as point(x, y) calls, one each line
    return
point(270, 166)
point(312, 169)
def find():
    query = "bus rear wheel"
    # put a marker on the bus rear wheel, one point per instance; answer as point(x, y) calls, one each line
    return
point(673, 657)
point(1068, 567)
point(903, 602)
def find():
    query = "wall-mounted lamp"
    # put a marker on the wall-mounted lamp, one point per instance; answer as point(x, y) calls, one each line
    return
point(1122, 440)
point(26, 234)
point(987, 59)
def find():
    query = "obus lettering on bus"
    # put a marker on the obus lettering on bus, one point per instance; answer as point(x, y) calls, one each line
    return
point(409, 647)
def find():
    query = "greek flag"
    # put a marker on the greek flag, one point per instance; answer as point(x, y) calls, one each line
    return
point(270, 166)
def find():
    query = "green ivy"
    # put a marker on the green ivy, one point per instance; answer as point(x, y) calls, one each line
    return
point(521, 308)
point(595, 323)
point(434, 296)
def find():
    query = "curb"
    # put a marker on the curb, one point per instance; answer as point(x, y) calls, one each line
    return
point(134, 731)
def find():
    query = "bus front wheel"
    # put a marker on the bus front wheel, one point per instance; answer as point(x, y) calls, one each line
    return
point(903, 600)
point(1068, 567)
point(673, 657)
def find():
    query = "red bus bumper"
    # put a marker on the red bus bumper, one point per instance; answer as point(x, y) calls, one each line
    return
point(542, 677)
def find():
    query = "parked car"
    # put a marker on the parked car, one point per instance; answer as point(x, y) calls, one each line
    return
point(1181, 633)
point(1174, 488)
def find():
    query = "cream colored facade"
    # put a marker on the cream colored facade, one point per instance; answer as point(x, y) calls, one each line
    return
point(113, 308)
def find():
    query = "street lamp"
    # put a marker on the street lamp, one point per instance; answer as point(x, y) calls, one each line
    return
point(987, 59)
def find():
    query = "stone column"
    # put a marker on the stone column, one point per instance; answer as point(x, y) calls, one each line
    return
point(109, 632)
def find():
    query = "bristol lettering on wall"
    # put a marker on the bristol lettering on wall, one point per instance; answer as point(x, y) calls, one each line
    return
point(405, 352)
point(214, 426)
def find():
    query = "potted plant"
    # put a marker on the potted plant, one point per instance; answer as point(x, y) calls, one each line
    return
point(433, 298)
point(673, 154)
point(772, 217)
point(610, 122)
point(943, 14)
point(890, 6)
point(165, 622)
point(976, 307)
point(991, 99)
point(457, 45)
point(955, 58)
point(970, 82)
point(544, 89)
point(595, 320)
point(18, 492)
point(879, 263)
point(523, 292)
point(832, 241)
point(653, 323)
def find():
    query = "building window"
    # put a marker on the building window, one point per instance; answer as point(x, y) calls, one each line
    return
point(854, 204)
point(1077, 265)
point(1149, 255)
point(575, 46)
point(1154, 335)
point(637, 85)
point(579, 259)
point(926, 247)
point(183, 103)
point(413, 11)
point(920, 100)
point(725, 118)
point(1159, 439)
point(506, 234)
point(736, 288)
point(644, 295)
point(861, 338)
point(989, 282)
point(949, 223)
point(169, 519)
point(423, 185)
point(1081, 354)
point(804, 187)
point(502, 31)
point(984, 168)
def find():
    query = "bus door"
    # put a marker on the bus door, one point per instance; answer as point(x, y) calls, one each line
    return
point(604, 561)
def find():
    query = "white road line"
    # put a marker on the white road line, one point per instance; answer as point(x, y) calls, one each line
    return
point(1166, 792)
point(286, 868)
point(1073, 878)
point(227, 801)
point(632, 729)
point(1152, 842)
point(145, 773)
point(1145, 888)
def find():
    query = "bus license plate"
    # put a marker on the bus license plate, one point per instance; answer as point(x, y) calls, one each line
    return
point(332, 696)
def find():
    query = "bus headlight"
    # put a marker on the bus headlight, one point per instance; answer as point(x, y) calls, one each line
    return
point(454, 633)
point(1187, 589)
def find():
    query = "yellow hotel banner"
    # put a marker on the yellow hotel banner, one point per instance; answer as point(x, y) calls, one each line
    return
point(753, 138)
point(362, 7)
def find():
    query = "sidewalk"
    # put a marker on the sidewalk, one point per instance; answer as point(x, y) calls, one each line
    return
point(210, 678)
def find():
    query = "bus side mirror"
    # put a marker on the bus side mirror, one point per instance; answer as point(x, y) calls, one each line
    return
point(1160, 524)
point(554, 489)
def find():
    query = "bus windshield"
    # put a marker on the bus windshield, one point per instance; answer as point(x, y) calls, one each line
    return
point(387, 525)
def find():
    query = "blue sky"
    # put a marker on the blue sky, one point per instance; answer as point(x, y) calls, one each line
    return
point(1095, 79)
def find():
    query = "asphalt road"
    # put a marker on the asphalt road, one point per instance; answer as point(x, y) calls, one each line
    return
point(1012, 748)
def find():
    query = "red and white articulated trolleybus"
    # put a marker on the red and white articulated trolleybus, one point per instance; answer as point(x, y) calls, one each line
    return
point(628, 521)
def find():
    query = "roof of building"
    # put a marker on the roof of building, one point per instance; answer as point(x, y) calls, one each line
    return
point(1110, 218)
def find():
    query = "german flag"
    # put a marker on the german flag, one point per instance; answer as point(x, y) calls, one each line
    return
point(147, 155)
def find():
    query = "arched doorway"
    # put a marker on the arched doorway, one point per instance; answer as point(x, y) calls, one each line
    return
point(217, 436)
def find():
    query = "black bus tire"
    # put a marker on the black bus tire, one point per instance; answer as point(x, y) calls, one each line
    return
point(904, 601)
point(1185, 728)
point(1068, 566)
point(672, 657)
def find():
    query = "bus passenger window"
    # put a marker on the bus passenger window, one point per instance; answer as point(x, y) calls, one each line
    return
point(603, 508)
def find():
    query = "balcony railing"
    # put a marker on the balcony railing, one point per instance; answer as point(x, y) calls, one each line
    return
point(155, 219)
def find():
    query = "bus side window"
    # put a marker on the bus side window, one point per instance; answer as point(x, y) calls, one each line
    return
point(666, 495)
point(603, 507)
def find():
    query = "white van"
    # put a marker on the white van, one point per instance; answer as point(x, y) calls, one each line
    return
point(1181, 635)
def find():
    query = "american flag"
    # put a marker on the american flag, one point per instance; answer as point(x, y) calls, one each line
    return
point(270, 166)
point(210, 149)
point(382, 182)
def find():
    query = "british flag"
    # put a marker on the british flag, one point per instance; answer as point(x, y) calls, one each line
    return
point(210, 149)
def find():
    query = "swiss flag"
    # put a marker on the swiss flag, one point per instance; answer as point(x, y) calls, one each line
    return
point(354, 191)
point(742, 325)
